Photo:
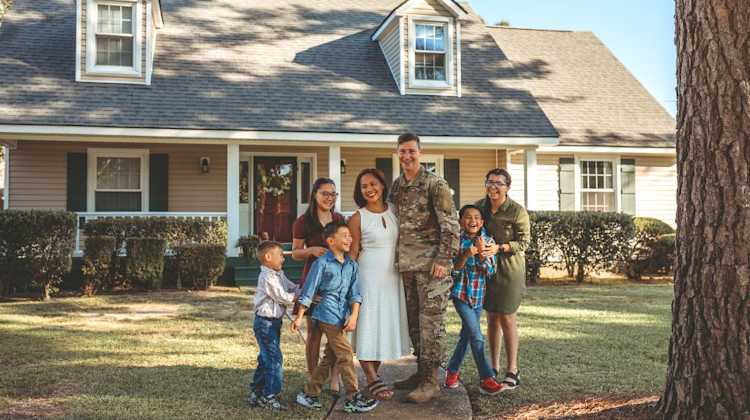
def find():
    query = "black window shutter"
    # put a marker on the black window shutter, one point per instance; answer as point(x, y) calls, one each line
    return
point(76, 182)
point(627, 186)
point(385, 165)
point(567, 184)
point(158, 183)
point(452, 172)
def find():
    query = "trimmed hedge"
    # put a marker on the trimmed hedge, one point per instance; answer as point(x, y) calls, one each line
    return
point(650, 254)
point(248, 244)
point(175, 231)
point(97, 259)
point(584, 242)
point(200, 265)
point(145, 265)
point(36, 249)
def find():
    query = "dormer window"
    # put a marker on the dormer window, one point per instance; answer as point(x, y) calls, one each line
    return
point(113, 38)
point(430, 52)
point(430, 55)
point(114, 35)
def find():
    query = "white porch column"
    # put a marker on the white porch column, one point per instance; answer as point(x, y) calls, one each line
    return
point(529, 179)
point(334, 170)
point(233, 198)
point(6, 178)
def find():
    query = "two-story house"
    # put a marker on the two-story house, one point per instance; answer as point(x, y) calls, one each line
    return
point(191, 108)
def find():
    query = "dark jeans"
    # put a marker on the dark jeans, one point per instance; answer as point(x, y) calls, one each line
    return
point(471, 334)
point(268, 375)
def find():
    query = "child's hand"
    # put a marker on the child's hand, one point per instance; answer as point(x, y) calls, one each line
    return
point(296, 324)
point(480, 244)
point(472, 250)
point(316, 299)
point(351, 324)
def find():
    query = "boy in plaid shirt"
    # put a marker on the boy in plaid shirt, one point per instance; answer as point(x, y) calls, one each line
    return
point(472, 267)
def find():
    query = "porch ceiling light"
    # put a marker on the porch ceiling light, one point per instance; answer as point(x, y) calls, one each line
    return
point(205, 163)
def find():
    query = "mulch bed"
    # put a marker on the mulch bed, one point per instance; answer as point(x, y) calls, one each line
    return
point(592, 408)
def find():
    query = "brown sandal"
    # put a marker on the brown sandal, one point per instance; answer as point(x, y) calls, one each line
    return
point(379, 390)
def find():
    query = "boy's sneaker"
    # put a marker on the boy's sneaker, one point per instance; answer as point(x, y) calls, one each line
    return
point(451, 379)
point(308, 401)
point(360, 404)
point(272, 403)
point(511, 381)
point(252, 399)
point(490, 386)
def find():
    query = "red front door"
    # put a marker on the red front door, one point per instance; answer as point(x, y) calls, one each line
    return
point(275, 192)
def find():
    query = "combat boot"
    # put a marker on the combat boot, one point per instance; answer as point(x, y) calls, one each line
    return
point(410, 383)
point(429, 388)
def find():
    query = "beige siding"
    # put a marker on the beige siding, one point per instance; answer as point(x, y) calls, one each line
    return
point(656, 188)
point(38, 177)
point(473, 165)
point(389, 44)
point(547, 181)
point(142, 25)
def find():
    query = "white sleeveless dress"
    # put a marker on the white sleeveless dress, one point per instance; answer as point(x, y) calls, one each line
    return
point(382, 332)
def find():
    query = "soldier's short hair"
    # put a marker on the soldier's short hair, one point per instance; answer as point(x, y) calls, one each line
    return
point(264, 247)
point(496, 172)
point(407, 137)
point(467, 207)
point(333, 227)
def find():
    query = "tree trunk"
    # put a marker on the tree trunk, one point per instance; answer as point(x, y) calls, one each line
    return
point(708, 376)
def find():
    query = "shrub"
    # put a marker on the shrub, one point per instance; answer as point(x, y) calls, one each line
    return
point(541, 244)
point(38, 242)
point(248, 244)
point(175, 231)
point(643, 257)
point(200, 265)
point(145, 265)
point(657, 258)
point(96, 263)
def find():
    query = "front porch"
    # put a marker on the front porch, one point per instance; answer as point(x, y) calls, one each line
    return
point(254, 187)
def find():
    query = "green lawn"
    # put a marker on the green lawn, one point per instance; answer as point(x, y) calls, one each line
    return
point(189, 355)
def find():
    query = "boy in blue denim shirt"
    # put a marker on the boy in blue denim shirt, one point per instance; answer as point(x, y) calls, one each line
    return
point(274, 293)
point(335, 278)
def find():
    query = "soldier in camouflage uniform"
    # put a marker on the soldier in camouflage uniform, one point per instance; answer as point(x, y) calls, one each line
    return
point(427, 241)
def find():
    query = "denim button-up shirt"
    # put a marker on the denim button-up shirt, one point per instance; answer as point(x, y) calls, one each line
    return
point(338, 287)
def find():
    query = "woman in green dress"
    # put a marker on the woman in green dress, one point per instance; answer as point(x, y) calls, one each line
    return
point(508, 222)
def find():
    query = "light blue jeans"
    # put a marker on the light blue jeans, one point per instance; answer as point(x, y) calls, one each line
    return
point(471, 335)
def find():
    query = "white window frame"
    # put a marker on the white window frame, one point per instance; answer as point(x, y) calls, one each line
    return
point(91, 27)
point(93, 154)
point(449, 41)
point(438, 160)
point(615, 161)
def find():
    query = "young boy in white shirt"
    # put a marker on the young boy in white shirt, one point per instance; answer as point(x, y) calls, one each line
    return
point(274, 293)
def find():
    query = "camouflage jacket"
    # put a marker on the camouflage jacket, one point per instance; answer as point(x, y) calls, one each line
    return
point(428, 226)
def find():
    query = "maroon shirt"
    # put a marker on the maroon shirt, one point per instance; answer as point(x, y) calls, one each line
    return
point(300, 230)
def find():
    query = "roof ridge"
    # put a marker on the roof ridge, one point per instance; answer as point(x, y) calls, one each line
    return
point(533, 29)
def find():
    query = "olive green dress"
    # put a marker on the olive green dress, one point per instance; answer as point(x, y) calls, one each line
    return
point(508, 225)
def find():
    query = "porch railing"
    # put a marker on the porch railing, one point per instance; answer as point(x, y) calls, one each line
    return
point(83, 217)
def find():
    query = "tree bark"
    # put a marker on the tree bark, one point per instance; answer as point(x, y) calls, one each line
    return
point(708, 376)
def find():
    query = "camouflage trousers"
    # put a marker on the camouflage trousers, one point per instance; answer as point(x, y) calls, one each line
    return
point(426, 301)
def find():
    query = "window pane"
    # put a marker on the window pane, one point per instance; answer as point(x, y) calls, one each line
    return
point(420, 43)
point(114, 51)
point(118, 173)
point(422, 31)
point(429, 44)
point(118, 201)
point(244, 183)
point(597, 201)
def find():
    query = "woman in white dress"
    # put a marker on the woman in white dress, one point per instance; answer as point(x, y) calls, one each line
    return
point(382, 332)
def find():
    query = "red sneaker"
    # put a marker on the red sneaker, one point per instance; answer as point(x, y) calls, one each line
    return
point(490, 386)
point(451, 379)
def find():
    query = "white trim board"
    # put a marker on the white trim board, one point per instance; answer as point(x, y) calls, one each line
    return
point(59, 133)
point(406, 7)
point(6, 179)
point(618, 150)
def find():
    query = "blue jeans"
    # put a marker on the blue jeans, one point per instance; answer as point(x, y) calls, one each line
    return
point(471, 334)
point(268, 375)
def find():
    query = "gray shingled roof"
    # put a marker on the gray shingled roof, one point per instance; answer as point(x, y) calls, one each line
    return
point(589, 96)
point(293, 65)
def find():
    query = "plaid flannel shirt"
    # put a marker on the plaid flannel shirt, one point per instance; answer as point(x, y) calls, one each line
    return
point(469, 282)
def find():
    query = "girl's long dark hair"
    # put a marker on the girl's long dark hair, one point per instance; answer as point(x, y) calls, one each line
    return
point(311, 214)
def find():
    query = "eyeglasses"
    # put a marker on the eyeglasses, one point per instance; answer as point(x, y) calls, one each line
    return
point(327, 194)
point(496, 184)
